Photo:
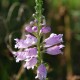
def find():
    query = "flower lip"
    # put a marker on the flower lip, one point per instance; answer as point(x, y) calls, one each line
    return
point(53, 39)
point(31, 52)
point(55, 50)
point(20, 56)
point(31, 63)
point(26, 54)
point(31, 39)
point(20, 43)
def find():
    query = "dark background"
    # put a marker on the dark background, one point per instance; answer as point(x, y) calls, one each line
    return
point(63, 16)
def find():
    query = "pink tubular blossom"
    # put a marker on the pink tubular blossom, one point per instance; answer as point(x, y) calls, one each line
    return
point(31, 52)
point(41, 72)
point(26, 54)
point(20, 43)
point(31, 39)
point(53, 39)
point(30, 63)
point(34, 28)
point(20, 56)
point(55, 50)
point(29, 29)
point(45, 30)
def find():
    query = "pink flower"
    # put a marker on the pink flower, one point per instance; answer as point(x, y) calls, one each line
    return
point(53, 39)
point(31, 52)
point(26, 54)
point(29, 41)
point(41, 72)
point(32, 47)
point(55, 50)
point(34, 28)
point(20, 56)
point(20, 43)
point(45, 30)
point(29, 29)
point(30, 63)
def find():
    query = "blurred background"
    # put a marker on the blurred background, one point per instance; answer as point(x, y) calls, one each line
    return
point(63, 16)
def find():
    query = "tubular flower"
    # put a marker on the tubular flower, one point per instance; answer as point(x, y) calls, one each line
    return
point(29, 41)
point(35, 45)
point(26, 54)
point(41, 72)
point(45, 30)
point(31, 48)
point(20, 56)
point(30, 63)
point(31, 52)
point(53, 39)
point(34, 28)
point(54, 50)
point(29, 29)
point(20, 43)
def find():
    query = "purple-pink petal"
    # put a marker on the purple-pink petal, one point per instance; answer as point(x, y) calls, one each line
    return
point(41, 72)
point(26, 54)
point(30, 63)
point(34, 28)
point(29, 29)
point(45, 30)
point(19, 56)
point(20, 43)
point(53, 39)
point(31, 52)
point(31, 39)
point(55, 50)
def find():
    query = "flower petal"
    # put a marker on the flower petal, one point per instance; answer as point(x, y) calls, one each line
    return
point(34, 28)
point(26, 54)
point(20, 43)
point(54, 50)
point(30, 63)
point(45, 30)
point(31, 52)
point(31, 40)
point(29, 29)
point(53, 40)
point(41, 72)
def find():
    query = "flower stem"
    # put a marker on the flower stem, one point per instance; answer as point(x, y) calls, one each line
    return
point(38, 16)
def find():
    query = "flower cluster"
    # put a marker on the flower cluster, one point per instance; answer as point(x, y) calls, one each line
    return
point(29, 51)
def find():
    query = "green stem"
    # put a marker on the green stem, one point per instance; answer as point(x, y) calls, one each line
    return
point(38, 16)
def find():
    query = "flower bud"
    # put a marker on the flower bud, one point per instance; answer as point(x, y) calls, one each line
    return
point(45, 30)
point(41, 72)
point(34, 29)
point(29, 29)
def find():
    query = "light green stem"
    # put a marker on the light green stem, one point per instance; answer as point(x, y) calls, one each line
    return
point(38, 16)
